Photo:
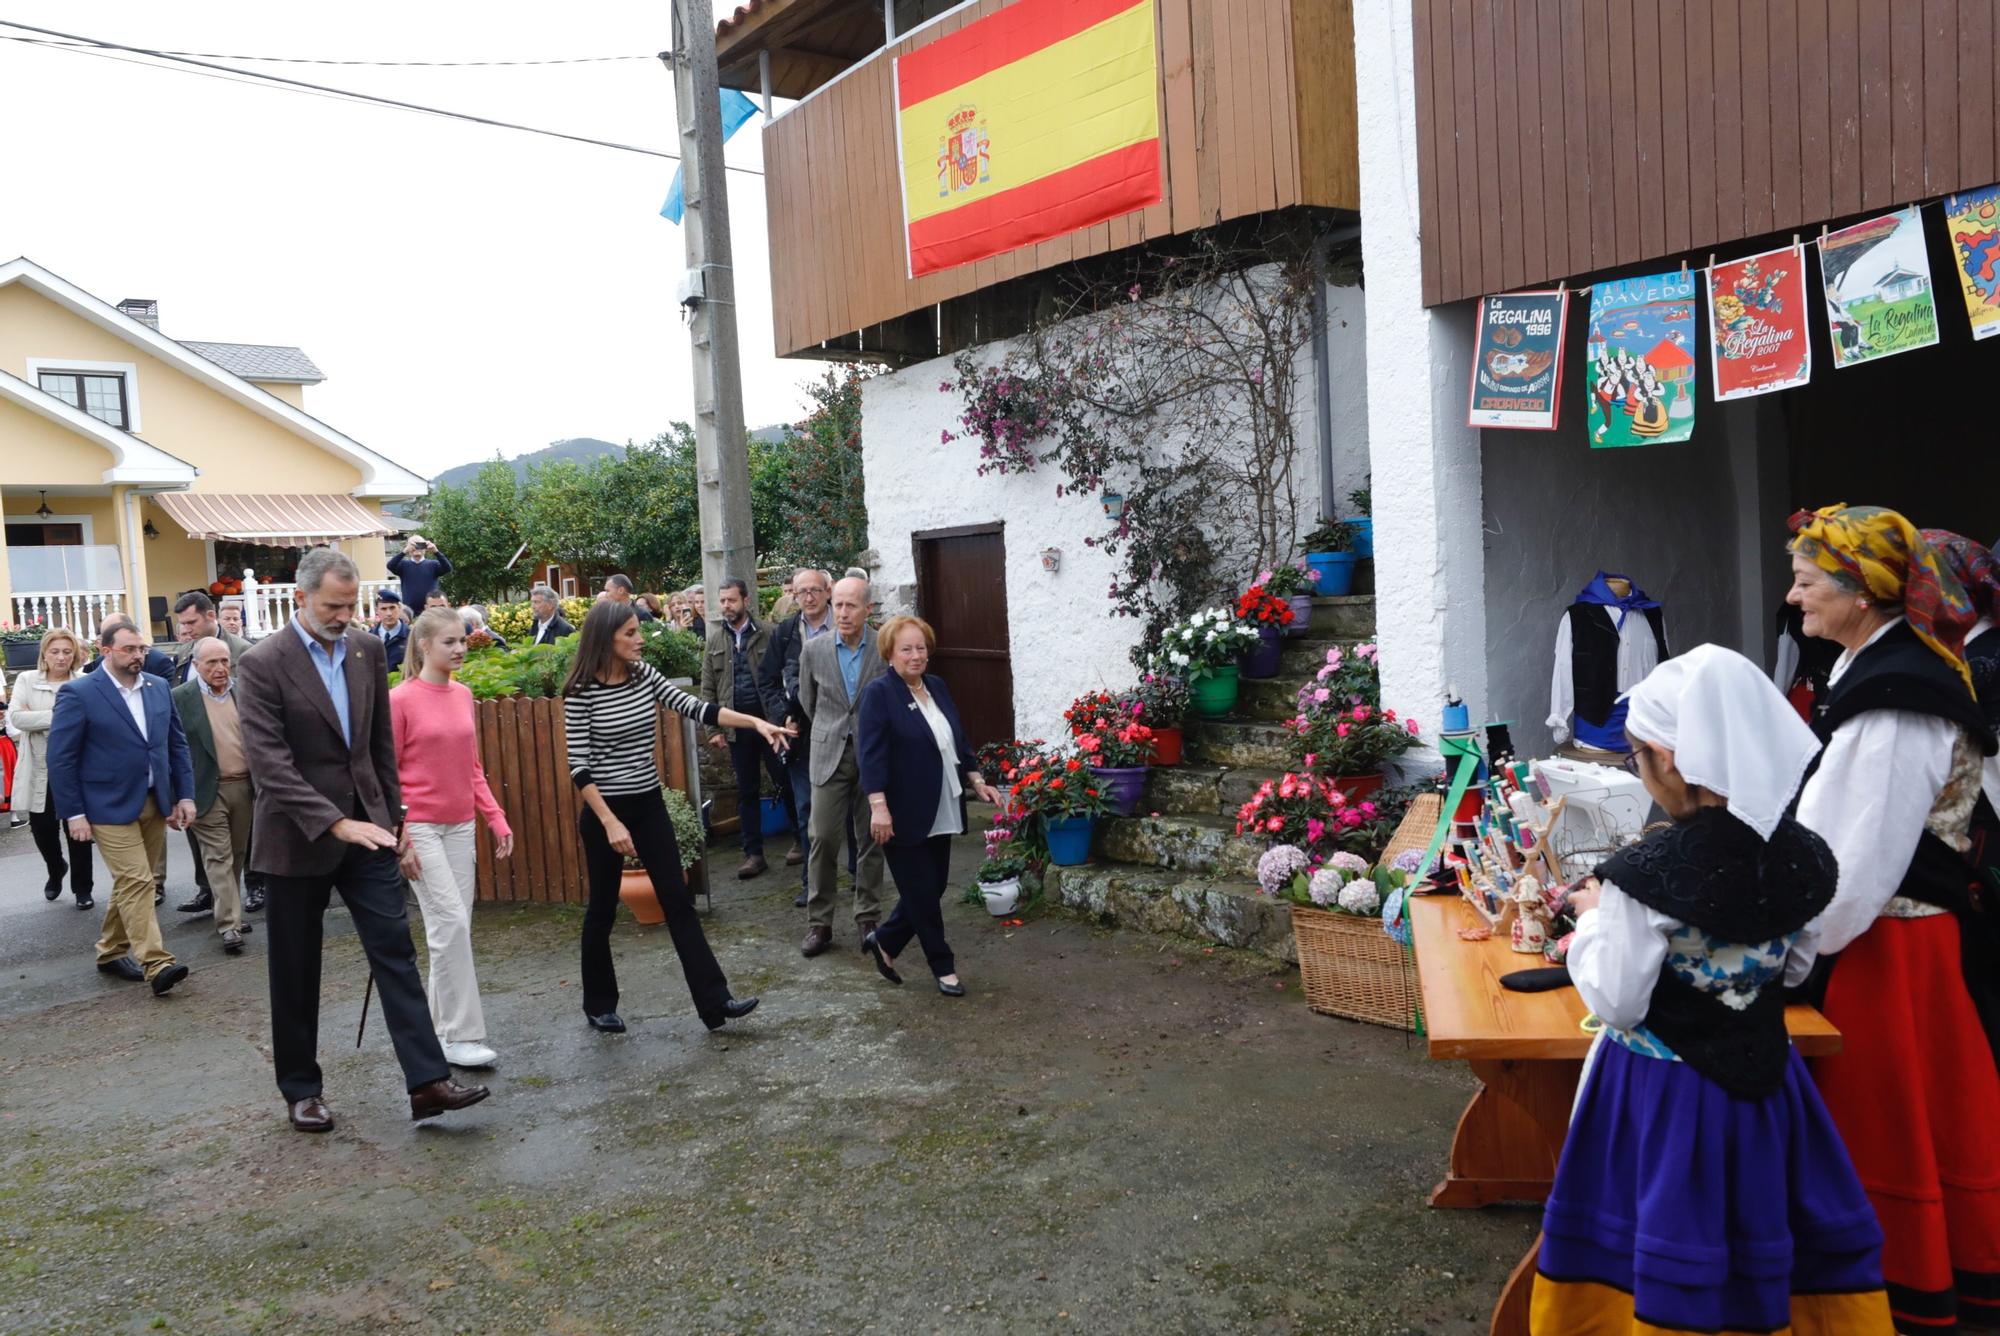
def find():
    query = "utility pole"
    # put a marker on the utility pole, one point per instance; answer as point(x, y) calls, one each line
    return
point(722, 463)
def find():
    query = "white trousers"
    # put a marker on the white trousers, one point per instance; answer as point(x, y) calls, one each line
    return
point(445, 889)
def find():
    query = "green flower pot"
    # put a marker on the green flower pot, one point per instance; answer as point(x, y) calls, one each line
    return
point(1215, 694)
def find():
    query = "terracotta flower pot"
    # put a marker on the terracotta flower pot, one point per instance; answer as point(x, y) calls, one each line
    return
point(1167, 746)
point(635, 888)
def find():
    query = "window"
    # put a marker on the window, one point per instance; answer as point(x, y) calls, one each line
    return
point(100, 395)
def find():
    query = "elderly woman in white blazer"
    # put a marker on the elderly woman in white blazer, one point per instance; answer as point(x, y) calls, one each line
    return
point(29, 715)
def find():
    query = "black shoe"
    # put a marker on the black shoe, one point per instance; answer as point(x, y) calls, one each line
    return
point(253, 899)
point(124, 967)
point(735, 1009)
point(85, 902)
point(52, 890)
point(167, 978)
point(800, 903)
point(874, 950)
point(159, 896)
point(203, 903)
point(951, 989)
point(608, 1022)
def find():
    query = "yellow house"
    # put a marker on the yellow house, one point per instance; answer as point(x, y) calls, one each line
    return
point(135, 467)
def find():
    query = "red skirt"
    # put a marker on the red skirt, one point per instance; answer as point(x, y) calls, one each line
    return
point(1917, 1099)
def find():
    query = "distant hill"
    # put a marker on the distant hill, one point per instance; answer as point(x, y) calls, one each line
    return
point(580, 448)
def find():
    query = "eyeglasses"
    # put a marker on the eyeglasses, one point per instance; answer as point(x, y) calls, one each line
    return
point(1630, 765)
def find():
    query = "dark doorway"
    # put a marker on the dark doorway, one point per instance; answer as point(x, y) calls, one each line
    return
point(962, 593)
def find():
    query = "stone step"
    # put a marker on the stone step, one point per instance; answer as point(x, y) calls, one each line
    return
point(1183, 841)
point(1203, 790)
point(1345, 616)
point(1192, 905)
point(1271, 697)
point(1237, 742)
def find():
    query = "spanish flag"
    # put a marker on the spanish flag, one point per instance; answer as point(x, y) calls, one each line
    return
point(1035, 121)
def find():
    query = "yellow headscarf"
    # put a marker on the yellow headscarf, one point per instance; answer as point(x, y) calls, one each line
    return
point(1891, 560)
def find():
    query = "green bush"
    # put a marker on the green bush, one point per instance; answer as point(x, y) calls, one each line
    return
point(689, 839)
point(673, 652)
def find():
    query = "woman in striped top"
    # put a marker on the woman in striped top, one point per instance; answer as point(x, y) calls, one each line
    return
point(611, 719)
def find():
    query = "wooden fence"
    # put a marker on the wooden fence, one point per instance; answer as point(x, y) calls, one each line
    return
point(526, 758)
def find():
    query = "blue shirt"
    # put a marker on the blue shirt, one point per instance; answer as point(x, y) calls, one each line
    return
point(850, 665)
point(332, 667)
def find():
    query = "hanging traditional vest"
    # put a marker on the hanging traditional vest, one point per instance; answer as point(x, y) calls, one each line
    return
point(1807, 689)
point(1594, 635)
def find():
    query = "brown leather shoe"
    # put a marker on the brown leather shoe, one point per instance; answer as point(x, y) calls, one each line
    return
point(863, 927)
point(310, 1115)
point(754, 866)
point(795, 857)
point(232, 941)
point(446, 1096)
point(818, 939)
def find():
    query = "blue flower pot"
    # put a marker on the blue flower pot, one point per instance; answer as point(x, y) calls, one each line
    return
point(775, 822)
point(1363, 530)
point(1069, 839)
point(1336, 572)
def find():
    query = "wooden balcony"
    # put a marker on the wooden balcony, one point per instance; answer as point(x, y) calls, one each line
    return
point(1256, 115)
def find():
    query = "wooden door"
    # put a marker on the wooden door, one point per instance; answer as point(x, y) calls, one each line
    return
point(962, 593)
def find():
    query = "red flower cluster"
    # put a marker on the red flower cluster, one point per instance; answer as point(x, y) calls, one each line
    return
point(1262, 608)
point(1306, 810)
point(1057, 788)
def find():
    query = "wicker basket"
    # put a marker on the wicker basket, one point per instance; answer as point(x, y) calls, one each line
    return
point(1417, 826)
point(1351, 968)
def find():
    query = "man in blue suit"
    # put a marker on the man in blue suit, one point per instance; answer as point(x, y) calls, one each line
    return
point(120, 774)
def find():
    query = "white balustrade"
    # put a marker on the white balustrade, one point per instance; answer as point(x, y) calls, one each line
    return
point(269, 606)
point(81, 610)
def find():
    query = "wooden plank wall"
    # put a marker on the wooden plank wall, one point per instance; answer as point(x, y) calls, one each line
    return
point(1256, 114)
point(526, 758)
point(1556, 138)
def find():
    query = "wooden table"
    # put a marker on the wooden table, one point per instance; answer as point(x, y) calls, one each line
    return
point(1527, 1050)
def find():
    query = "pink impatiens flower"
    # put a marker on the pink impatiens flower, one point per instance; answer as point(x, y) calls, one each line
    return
point(1322, 695)
point(1343, 729)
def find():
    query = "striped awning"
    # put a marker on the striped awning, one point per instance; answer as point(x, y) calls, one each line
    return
point(273, 519)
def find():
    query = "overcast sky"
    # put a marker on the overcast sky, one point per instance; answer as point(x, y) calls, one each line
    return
point(465, 289)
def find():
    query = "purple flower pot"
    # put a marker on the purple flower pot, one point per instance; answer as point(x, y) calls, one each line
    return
point(1302, 615)
point(1262, 662)
point(1122, 784)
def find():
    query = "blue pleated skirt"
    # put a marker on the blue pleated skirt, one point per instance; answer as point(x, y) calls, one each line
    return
point(1686, 1209)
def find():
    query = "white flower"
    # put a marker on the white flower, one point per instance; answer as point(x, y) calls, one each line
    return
point(1360, 897)
point(1348, 862)
point(1324, 888)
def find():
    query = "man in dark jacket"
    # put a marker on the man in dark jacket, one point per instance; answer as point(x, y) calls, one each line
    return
point(420, 567)
point(778, 679)
point(549, 625)
point(390, 628)
point(736, 645)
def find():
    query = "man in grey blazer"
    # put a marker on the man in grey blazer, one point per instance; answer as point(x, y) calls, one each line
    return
point(832, 671)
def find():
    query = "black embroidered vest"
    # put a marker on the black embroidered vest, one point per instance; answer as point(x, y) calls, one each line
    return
point(1713, 873)
point(1593, 639)
point(1816, 656)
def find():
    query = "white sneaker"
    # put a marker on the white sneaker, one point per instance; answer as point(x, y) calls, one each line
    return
point(470, 1055)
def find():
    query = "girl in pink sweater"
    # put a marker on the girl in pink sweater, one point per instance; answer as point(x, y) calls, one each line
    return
point(437, 760)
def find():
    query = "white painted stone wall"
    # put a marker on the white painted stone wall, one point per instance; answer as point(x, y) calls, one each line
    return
point(1430, 588)
point(1061, 634)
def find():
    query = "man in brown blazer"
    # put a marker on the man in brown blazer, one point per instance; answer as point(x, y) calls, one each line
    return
point(313, 700)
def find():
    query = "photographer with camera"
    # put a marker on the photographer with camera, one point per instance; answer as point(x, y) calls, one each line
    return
point(419, 566)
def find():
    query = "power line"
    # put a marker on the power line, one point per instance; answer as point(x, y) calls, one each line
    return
point(76, 44)
point(390, 64)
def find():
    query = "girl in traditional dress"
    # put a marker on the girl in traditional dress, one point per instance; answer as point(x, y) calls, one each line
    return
point(1914, 1089)
point(1703, 1188)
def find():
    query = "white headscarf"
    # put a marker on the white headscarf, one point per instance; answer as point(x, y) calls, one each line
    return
point(1729, 730)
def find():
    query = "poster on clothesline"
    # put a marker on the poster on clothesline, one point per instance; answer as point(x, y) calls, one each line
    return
point(1757, 324)
point(1641, 367)
point(1517, 365)
point(1879, 300)
point(1972, 220)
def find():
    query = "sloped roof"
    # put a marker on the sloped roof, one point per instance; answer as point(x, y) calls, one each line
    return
point(260, 361)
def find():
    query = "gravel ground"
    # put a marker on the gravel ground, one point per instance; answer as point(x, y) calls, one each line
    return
point(1115, 1132)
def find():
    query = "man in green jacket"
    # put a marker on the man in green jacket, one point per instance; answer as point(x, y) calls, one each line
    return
point(222, 792)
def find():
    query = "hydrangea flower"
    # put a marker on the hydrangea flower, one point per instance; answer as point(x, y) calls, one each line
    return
point(1360, 897)
point(1279, 864)
point(1348, 862)
point(1410, 861)
point(1324, 888)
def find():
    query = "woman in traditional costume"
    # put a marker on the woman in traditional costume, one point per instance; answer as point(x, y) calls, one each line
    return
point(1703, 1187)
point(1914, 1089)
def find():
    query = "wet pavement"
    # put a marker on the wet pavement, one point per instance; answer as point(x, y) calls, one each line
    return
point(1113, 1133)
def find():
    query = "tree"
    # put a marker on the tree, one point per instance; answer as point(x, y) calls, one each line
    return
point(652, 514)
point(563, 518)
point(823, 512)
point(478, 527)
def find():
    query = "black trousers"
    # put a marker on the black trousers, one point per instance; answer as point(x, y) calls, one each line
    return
point(50, 837)
point(921, 872)
point(748, 753)
point(645, 816)
point(372, 887)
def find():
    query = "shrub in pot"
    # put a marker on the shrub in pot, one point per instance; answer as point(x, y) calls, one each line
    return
point(1000, 884)
point(1330, 551)
point(1269, 616)
point(635, 887)
point(1204, 647)
point(1296, 582)
point(1066, 801)
point(1161, 701)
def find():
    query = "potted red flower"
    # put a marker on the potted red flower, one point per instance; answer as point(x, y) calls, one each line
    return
point(1269, 616)
point(1114, 745)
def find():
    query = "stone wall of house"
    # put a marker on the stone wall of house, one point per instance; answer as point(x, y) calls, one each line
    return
point(1062, 636)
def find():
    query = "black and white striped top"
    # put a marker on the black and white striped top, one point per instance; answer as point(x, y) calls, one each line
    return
point(610, 729)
